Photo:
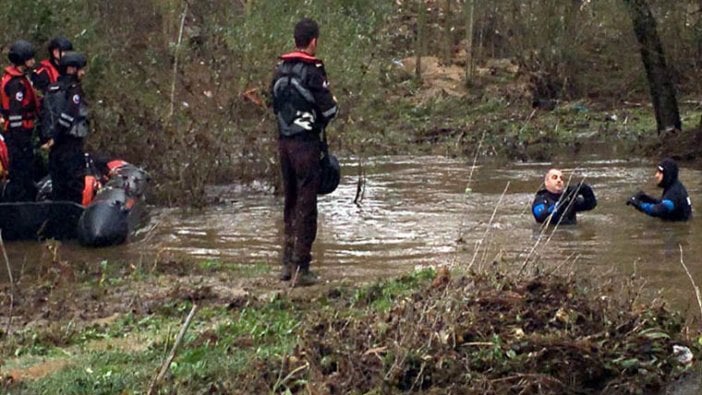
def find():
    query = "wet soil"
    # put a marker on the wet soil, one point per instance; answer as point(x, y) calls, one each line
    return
point(86, 298)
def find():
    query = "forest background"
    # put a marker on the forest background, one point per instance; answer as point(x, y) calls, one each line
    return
point(179, 87)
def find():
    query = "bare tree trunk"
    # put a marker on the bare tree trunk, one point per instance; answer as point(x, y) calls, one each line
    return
point(698, 28)
point(469, 9)
point(448, 37)
point(421, 32)
point(494, 25)
point(660, 83)
point(568, 46)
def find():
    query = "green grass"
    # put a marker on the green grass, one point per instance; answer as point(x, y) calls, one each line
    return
point(220, 343)
point(243, 270)
point(104, 372)
point(382, 296)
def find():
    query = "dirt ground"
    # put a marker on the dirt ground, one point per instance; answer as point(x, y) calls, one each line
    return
point(498, 78)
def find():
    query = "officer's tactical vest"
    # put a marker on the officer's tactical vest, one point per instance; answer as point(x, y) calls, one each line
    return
point(51, 71)
point(293, 103)
point(55, 121)
point(30, 102)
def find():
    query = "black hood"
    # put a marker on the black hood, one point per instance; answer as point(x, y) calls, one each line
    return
point(670, 172)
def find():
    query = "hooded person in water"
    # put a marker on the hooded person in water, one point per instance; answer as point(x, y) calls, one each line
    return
point(674, 204)
point(559, 202)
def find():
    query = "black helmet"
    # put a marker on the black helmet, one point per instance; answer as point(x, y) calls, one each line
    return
point(61, 43)
point(330, 174)
point(20, 52)
point(74, 59)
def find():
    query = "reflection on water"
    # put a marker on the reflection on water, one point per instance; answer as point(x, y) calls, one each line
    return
point(418, 211)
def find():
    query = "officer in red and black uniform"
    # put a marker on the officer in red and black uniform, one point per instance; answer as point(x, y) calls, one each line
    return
point(303, 105)
point(48, 71)
point(19, 106)
point(64, 127)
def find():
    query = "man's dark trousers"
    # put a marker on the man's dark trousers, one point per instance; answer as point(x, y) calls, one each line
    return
point(299, 162)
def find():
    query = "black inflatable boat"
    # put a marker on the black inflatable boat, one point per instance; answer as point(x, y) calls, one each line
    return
point(108, 217)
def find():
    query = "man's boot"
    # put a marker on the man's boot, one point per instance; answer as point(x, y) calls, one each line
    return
point(288, 268)
point(304, 277)
point(287, 272)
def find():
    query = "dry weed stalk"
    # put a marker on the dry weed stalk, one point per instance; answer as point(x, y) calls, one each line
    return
point(487, 230)
point(545, 226)
point(290, 375)
point(469, 182)
point(570, 204)
point(153, 387)
point(12, 284)
point(175, 61)
point(565, 262)
point(692, 280)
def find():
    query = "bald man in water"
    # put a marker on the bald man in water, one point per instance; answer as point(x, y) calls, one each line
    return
point(559, 202)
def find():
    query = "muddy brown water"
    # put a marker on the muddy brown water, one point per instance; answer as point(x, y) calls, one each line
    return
point(419, 211)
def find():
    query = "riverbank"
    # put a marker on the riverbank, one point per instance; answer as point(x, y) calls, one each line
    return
point(108, 330)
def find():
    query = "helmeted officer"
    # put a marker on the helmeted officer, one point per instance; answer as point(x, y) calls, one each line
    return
point(561, 203)
point(64, 127)
point(48, 71)
point(303, 105)
point(19, 106)
point(674, 204)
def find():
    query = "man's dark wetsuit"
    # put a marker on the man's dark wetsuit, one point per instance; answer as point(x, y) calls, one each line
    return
point(674, 204)
point(562, 207)
point(303, 105)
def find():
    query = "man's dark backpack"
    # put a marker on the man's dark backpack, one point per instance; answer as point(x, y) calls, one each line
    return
point(55, 102)
point(293, 103)
point(56, 121)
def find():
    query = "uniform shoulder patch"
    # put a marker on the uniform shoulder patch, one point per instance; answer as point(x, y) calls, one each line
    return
point(76, 99)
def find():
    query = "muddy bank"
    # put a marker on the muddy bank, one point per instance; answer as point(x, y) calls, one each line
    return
point(64, 299)
point(483, 334)
point(685, 146)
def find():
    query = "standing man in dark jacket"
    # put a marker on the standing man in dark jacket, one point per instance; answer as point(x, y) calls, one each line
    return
point(674, 204)
point(19, 106)
point(303, 105)
point(48, 71)
point(64, 127)
point(561, 203)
